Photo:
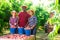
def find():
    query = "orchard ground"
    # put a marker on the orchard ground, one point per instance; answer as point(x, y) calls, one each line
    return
point(40, 35)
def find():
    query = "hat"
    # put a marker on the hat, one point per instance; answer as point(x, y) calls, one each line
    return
point(53, 12)
point(13, 11)
point(24, 7)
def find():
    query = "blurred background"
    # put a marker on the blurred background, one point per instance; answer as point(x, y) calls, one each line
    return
point(42, 10)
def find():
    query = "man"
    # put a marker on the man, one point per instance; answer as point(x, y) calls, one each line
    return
point(23, 18)
point(50, 23)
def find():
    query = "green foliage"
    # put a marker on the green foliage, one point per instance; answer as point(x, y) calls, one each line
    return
point(59, 2)
point(42, 16)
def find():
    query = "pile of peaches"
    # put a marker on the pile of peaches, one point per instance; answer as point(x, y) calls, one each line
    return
point(17, 36)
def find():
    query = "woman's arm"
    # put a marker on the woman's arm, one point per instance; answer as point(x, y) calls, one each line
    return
point(10, 21)
point(33, 26)
point(35, 22)
point(11, 25)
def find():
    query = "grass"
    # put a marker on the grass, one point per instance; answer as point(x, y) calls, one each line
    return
point(41, 35)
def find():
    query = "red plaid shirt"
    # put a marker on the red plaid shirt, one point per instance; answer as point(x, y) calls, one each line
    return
point(23, 19)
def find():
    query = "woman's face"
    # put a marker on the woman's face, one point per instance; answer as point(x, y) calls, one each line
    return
point(13, 14)
point(30, 13)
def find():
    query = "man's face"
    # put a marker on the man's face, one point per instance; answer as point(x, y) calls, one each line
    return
point(51, 15)
point(24, 9)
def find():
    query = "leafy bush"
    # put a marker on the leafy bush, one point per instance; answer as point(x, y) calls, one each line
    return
point(42, 16)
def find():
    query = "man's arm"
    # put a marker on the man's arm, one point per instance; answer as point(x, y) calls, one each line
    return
point(18, 18)
point(28, 16)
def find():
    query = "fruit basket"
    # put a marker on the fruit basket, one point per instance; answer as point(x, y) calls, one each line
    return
point(17, 37)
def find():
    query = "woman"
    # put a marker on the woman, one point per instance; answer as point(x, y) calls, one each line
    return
point(32, 22)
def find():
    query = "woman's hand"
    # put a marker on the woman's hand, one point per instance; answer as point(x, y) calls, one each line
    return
point(28, 27)
point(31, 27)
point(13, 26)
point(15, 23)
